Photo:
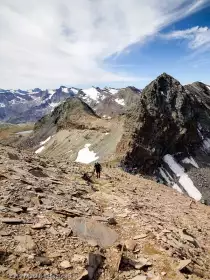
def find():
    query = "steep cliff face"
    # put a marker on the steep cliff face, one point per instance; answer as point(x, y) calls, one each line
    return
point(167, 134)
point(163, 121)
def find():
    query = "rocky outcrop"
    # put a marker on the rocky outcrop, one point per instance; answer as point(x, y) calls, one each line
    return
point(168, 119)
point(116, 104)
point(161, 121)
point(71, 114)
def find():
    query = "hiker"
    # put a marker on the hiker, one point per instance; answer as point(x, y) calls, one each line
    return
point(97, 169)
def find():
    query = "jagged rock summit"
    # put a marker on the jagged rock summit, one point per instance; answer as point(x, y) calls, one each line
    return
point(168, 125)
point(159, 122)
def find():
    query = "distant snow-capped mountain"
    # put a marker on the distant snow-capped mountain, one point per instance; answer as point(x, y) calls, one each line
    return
point(18, 106)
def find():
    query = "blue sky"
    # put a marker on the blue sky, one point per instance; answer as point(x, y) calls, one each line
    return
point(48, 43)
point(173, 56)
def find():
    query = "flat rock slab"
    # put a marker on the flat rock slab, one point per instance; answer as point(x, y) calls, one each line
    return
point(183, 264)
point(11, 221)
point(89, 229)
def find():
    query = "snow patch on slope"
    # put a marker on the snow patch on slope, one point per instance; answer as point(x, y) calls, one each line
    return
point(169, 179)
point(51, 92)
point(54, 104)
point(66, 90)
point(184, 179)
point(92, 93)
point(45, 141)
point(40, 150)
point(206, 145)
point(120, 101)
point(113, 91)
point(75, 91)
point(2, 105)
point(190, 160)
point(86, 156)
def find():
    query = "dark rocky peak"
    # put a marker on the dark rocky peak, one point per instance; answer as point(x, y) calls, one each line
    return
point(134, 89)
point(165, 96)
point(164, 85)
point(98, 89)
point(200, 91)
point(163, 121)
point(36, 90)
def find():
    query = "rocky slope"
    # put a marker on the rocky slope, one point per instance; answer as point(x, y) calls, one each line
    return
point(110, 102)
point(168, 133)
point(71, 129)
point(55, 224)
point(18, 106)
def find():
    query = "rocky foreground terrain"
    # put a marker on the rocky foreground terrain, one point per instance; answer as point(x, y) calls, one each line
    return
point(57, 223)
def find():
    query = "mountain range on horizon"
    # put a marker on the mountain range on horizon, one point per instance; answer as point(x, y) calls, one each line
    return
point(19, 106)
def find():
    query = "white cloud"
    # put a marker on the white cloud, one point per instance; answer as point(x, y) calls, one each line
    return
point(198, 37)
point(46, 43)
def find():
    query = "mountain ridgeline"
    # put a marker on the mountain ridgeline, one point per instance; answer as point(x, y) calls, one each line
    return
point(18, 106)
point(167, 134)
point(165, 120)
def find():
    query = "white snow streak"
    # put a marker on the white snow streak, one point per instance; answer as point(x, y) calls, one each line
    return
point(184, 179)
point(2, 105)
point(208, 87)
point(113, 90)
point(45, 141)
point(177, 188)
point(51, 92)
point(86, 156)
point(169, 180)
point(120, 101)
point(200, 134)
point(22, 99)
point(163, 174)
point(190, 160)
point(24, 132)
point(75, 91)
point(92, 93)
point(174, 166)
point(54, 104)
point(39, 150)
point(65, 90)
point(206, 145)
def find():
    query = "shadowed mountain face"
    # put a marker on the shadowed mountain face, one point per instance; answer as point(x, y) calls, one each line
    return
point(169, 124)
